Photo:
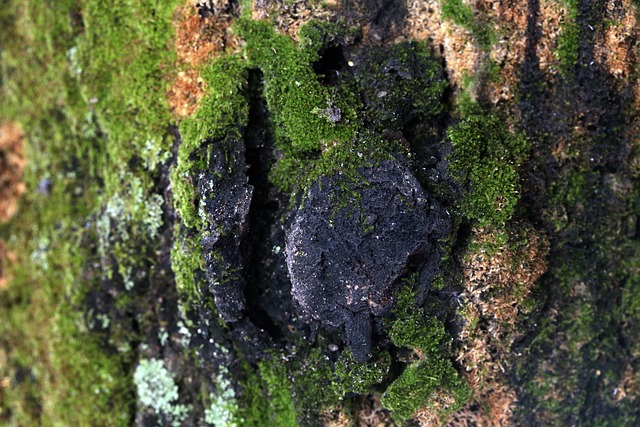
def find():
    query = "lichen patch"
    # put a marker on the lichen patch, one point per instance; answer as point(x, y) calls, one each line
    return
point(12, 163)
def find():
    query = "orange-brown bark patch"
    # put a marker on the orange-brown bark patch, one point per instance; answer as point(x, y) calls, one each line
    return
point(199, 38)
point(424, 22)
point(614, 47)
point(12, 163)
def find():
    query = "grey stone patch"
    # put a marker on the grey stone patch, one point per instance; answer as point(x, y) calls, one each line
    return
point(351, 242)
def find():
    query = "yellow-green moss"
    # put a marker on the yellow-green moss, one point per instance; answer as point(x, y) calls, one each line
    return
point(485, 159)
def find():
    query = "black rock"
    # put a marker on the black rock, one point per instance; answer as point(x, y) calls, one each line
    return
point(225, 198)
point(351, 242)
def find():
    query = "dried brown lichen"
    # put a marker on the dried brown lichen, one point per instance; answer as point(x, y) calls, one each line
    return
point(371, 413)
point(199, 38)
point(495, 285)
point(12, 163)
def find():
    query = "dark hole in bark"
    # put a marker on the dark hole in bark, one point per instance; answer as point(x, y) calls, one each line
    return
point(331, 64)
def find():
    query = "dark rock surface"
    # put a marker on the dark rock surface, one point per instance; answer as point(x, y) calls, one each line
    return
point(225, 198)
point(351, 242)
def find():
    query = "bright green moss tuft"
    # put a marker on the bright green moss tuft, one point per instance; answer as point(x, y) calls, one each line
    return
point(417, 387)
point(485, 159)
point(458, 12)
point(351, 376)
point(302, 108)
point(433, 375)
point(282, 411)
point(418, 331)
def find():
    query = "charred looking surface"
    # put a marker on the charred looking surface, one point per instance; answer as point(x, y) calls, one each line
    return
point(339, 260)
point(348, 247)
point(225, 198)
point(267, 284)
point(242, 244)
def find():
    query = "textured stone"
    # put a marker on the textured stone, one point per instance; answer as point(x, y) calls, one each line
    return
point(351, 242)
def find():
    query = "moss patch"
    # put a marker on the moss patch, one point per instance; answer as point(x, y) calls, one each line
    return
point(485, 159)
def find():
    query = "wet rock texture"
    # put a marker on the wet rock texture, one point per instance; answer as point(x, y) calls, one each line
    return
point(351, 242)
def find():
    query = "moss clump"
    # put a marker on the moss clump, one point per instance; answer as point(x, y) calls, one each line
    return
point(187, 263)
point(424, 380)
point(319, 384)
point(417, 386)
point(463, 15)
point(322, 129)
point(358, 377)
point(458, 12)
point(282, 411)
point(433, 374)
point(418, 331)
point(568, 49)
point(323, 384)
point(305, 112)
point(485, 160)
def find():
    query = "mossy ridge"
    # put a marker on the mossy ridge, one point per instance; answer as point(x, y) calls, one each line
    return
point(225, 110)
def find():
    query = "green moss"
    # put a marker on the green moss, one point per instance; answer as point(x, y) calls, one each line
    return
point(433, 375)
point(418, 385)
point(298, 102)
point(128, 90)
point(458, 12)
point(282, 411)
point(463, 16)
point(351, 376)
point(187, 263)
point(485, 159)
point(416, 330)
point(568, 49)
point(97, 123)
